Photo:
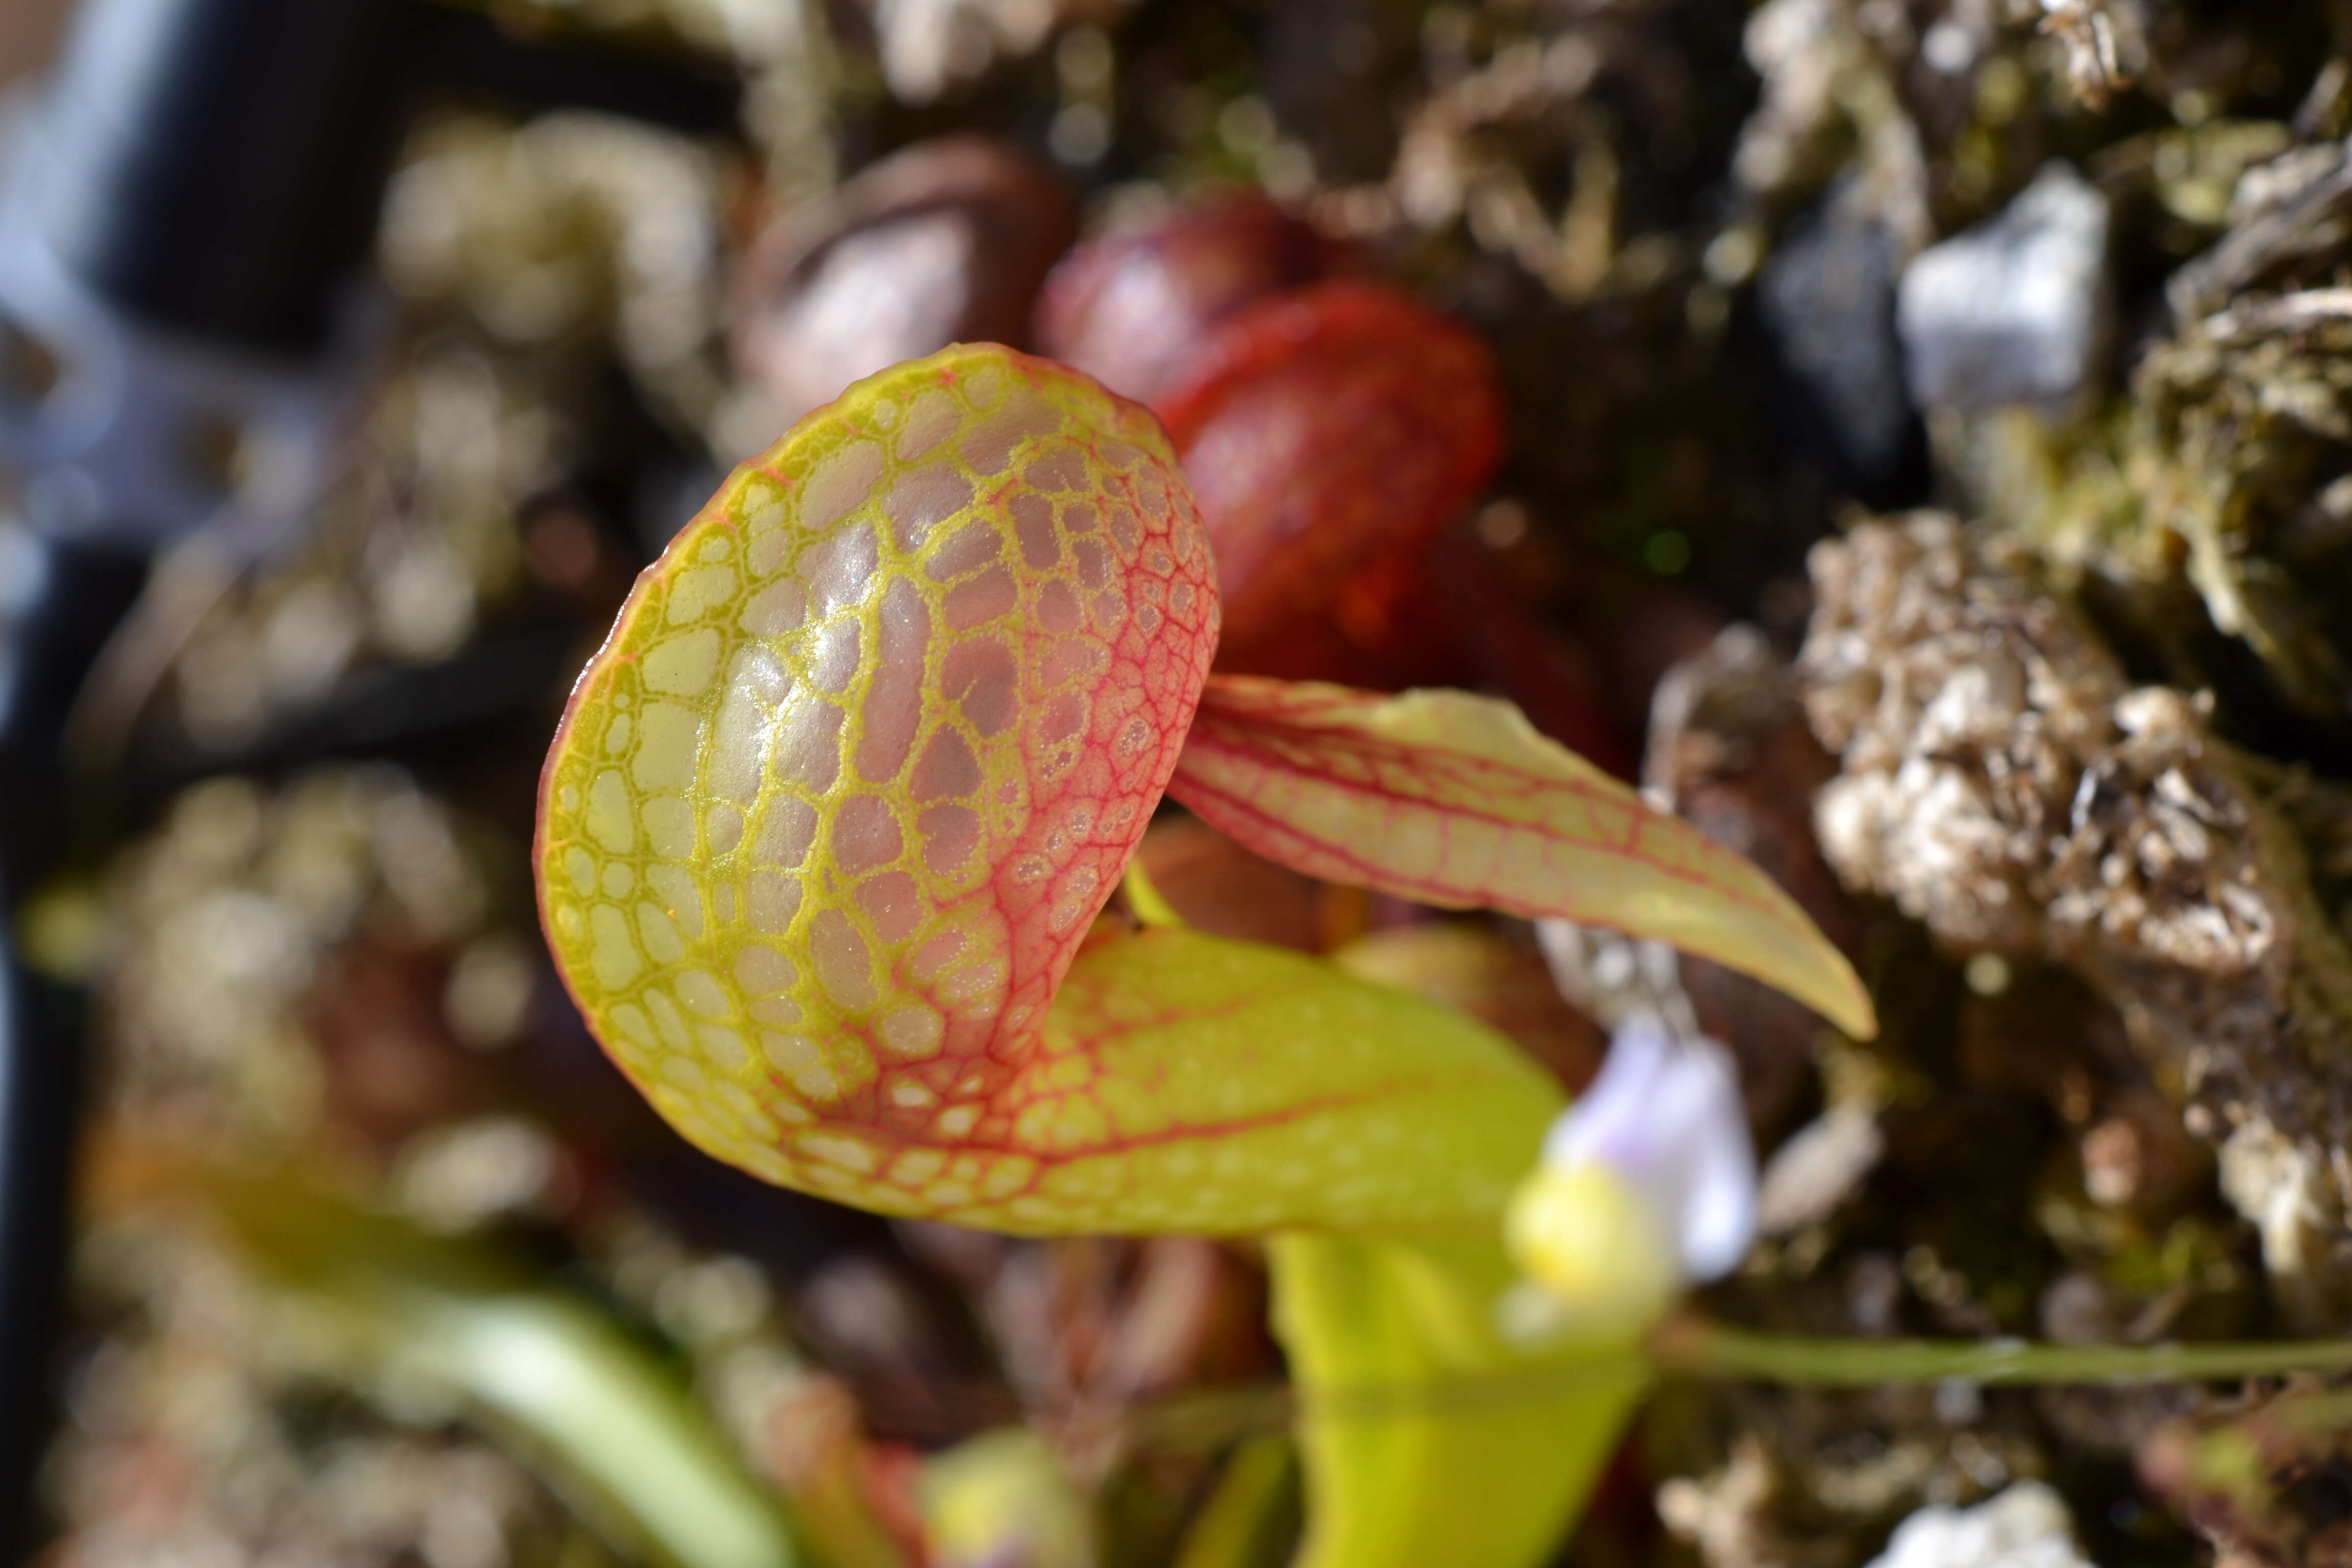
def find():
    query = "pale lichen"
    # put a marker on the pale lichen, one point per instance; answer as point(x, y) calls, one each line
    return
point(2006, 783)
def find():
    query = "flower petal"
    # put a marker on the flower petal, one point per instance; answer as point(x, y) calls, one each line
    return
point(1658, 1144)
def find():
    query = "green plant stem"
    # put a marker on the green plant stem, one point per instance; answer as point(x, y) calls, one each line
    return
point(1695, 1347)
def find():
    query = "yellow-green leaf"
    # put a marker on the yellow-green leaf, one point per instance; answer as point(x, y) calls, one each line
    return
point(1191, 1084)
point(1429, 1438)
point(1456, 801)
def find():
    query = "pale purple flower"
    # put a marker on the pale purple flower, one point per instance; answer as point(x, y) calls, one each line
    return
point(1647, 1185)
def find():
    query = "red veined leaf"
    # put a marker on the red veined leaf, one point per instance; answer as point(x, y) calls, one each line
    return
point(833, 809)
point(1456, 801)
point(1185, 1084)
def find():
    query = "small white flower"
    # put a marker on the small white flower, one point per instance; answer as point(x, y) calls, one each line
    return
point(1647, 1186)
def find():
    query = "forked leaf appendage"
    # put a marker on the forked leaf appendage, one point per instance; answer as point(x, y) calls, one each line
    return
point(1455, 800)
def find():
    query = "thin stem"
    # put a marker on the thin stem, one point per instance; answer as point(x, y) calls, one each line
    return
point(1697, 1348)
point(1693, 1346)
